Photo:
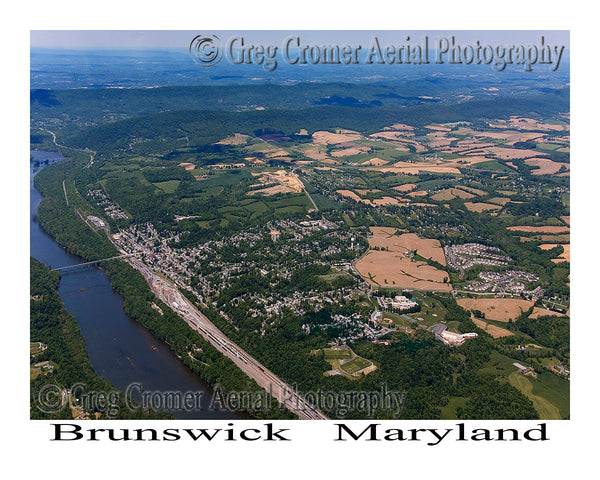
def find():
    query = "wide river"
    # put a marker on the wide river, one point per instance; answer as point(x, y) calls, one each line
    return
point(121, 351)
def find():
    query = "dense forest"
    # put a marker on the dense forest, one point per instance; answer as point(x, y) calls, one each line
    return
point(89, 106)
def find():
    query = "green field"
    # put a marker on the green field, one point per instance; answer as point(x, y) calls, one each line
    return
point(493, 165)
point(499, 364)
point(336, 354)
point(545, 409)
point(355, 365)
point(548, 392)
point(169, 186)
point(554, 389)
point(398, 320)
point(547, 146)
point(449, 410)
point(432, 311)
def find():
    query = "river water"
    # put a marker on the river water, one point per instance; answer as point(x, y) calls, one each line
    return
point(121, 351)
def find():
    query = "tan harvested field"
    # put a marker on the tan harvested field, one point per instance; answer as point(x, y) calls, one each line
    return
point(499, 309)
point(347, 152)
point(394, 268)
point(474, 191)
point(407, 187)
point(237, 139)
point(400, 138)
point(416, 168)
point(510, 136)
point(469, 148)
point(316, 152)
point(450, 194)
point(387, 201)
point(323, 138)
point(543, 312)
point(464, 131)
point(349, 194)
point(391, 135)
point(277, 154)
point(531, 124)
point(493, 330)
point(512, 153)
point(547, 166)
point(566, 219)
point(428, 248)
point(481, 207)
point(401, 126)
point(419, 193)
point(499, 200)
point(376, 162)
point(544, 229)
point(402, 148)
point(353, 196)
point(565, 256)
point(187, 165)
point(365, 191)
point(438, 128)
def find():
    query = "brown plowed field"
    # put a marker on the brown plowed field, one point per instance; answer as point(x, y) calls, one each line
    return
point(393, 268)
point(500, 309)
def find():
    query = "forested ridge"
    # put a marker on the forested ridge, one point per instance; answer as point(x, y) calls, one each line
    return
point(199, 127)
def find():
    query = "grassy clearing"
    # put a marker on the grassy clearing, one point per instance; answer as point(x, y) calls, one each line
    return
point(331, 353)
point(547, 146)
point(355, 365)
point(449, 410)
point(493, 165)
point(499, 364)
point(545, 409)
point(397, 320)
point(348, 220)
point(554, 389)
point(169, 186)
point(432, 311)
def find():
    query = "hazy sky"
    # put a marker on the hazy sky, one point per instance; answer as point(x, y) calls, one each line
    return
point(78, 39)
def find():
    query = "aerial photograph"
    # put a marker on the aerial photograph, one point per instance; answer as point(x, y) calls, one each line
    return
point(300, 225)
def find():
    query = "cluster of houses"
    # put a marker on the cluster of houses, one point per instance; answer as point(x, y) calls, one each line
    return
point(506, 283)
point(468, 255)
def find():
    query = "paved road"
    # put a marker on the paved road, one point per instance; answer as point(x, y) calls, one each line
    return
point(279, 389)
